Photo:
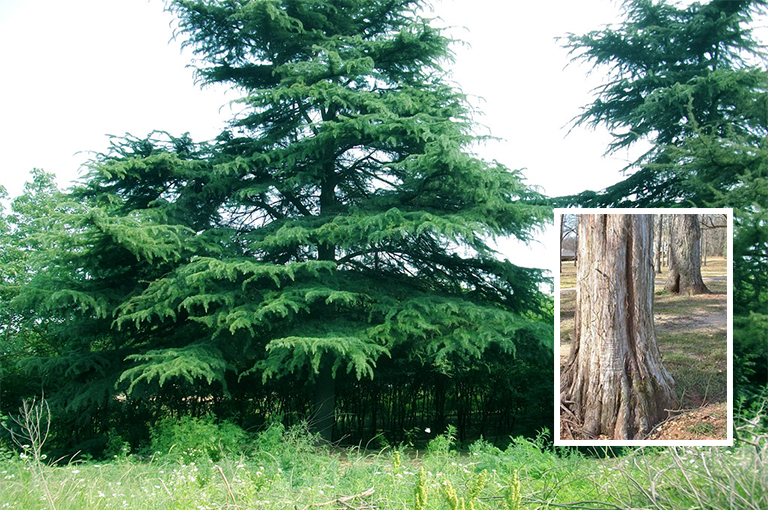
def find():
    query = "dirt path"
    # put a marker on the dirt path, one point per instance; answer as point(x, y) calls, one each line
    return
point(711, 314)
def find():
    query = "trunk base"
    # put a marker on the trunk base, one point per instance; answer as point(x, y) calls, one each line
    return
point(323, 403)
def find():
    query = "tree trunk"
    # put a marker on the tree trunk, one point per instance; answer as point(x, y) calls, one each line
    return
point(576, 248)
point(324, 400)
point(614, 382)
point(659, 231)
point(324, 391)
point(685, 255)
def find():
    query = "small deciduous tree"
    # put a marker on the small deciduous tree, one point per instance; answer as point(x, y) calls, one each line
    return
point(614, 382)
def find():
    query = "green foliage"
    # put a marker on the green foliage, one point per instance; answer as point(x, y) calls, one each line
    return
point(282, 441)
point(442, 444)
point(194, 439)
point(750, 342)
point(117, 447)
point(677, 75)
point(293, 473)
point(190, 363)
point(292, 353)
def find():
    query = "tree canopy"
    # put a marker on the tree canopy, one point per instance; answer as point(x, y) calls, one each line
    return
point(676, 75)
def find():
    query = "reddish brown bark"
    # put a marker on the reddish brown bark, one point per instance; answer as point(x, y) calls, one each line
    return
point(614, 382)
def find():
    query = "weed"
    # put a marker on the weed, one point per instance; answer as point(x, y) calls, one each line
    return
point(451, 497)
point(702, 428)
point(29, 430)
point(442, 444)
point(513, 496)
point(397, 463)
point(420, 490)
point(281, 470)
point(196, 438)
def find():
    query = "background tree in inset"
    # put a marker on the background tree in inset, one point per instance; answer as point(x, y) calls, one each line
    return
point(685, 255)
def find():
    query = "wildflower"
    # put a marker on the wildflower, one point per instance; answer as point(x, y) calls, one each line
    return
point(428, 430)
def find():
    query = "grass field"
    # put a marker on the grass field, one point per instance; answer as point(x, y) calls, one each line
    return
point(285, 469)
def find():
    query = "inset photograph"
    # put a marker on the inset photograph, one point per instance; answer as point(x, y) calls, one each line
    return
point(643, 305)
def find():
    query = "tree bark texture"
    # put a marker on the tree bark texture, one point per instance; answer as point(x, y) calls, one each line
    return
point(614, 381)
point(685, 255)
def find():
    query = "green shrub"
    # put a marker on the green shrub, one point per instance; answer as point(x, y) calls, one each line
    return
point(117, 446)
point(196, 438)
point(442, 444)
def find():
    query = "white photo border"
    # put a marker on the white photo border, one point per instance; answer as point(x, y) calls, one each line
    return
point(558, 212)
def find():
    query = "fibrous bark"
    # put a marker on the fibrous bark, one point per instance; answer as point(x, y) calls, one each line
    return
point(685, 256)
point(614, 381)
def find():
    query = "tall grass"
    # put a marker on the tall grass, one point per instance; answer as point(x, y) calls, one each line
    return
point(703, 477)
point(29, 431)
point(289, 468)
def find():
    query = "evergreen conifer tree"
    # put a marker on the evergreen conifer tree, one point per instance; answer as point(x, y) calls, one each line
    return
point(341, 218)
point(676, 74)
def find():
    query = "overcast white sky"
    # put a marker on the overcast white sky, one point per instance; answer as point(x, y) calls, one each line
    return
point(76, 71)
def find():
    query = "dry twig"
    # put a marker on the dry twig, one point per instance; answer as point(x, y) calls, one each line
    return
point(344, 500)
